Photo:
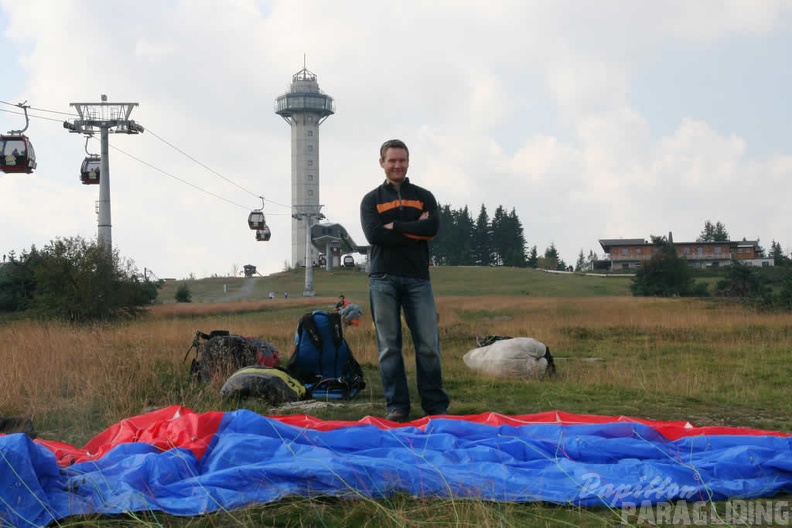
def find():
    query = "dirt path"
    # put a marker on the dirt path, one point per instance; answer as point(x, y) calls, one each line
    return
point(245, 292)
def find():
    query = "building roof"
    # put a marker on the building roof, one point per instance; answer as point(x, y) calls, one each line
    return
point(322, 234)
point(607, 243)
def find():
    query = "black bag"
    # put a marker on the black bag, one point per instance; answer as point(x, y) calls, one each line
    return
point(221, 353)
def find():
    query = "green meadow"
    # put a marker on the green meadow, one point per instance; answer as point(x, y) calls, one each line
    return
point(707, 361)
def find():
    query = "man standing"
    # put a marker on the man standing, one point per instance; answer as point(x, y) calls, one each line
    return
point(398, 219)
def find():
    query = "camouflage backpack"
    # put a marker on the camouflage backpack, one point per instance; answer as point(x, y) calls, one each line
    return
point(221, 353)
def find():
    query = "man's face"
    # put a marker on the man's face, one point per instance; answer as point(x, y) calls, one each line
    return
point(395, 163)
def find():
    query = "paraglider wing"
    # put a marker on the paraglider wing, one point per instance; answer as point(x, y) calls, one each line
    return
point(185, 463)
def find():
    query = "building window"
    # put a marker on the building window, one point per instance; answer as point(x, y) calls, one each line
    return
point(310, 148)
point(310, 192)
point(739, 250)
point(624, 252)
point(310, 132)
point(310, 163)
point(699, 251)
point(717, 250)
point(310, 177)
point(686, 251)
point(638, 250)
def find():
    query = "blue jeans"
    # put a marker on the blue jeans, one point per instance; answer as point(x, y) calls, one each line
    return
point(388, 295)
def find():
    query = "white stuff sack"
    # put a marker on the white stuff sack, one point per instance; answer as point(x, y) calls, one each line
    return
point(518, 357)
point(350, 312)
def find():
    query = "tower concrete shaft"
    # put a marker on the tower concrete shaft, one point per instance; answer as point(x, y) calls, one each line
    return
point(304, 107)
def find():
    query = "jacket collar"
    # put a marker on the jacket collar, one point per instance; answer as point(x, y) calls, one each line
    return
point(389, 185)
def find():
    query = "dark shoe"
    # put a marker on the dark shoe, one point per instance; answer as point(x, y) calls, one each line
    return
point(398, 415)
point(435, 413)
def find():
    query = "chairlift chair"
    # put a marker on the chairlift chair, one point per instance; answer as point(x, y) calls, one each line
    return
point(16, 150)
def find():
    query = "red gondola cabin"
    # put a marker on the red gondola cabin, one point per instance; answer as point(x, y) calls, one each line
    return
point(89, 171)
point(256, 220)
point(263, 234)
point(16, 154)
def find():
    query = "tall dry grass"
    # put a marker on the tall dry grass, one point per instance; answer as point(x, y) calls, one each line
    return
point(710, 363)
point(656, 358)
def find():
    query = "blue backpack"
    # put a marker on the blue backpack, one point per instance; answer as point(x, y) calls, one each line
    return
point(322, 359)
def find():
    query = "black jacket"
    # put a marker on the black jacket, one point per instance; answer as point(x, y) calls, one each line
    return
point(404, 250)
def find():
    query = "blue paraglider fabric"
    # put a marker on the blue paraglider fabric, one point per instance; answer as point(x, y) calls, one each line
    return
point(185, 463)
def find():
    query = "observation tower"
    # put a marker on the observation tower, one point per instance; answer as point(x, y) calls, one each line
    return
point(304, 107)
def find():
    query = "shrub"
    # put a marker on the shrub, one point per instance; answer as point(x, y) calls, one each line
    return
point(75, 280)
point(665, 274)
point(183, 293)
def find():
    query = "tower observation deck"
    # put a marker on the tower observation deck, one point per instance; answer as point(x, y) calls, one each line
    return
point(304, 107)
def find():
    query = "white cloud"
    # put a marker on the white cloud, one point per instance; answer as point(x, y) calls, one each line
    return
point(525, 105)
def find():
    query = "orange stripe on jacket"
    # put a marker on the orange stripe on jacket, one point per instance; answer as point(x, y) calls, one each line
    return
point(395, 204)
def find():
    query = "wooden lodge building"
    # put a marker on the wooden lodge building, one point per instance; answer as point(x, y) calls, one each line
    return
point(629, 253)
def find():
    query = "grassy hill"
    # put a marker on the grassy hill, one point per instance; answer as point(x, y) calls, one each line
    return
point(707, 361)
point(446, 281)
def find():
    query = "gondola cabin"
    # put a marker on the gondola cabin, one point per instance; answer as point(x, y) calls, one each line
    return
point(89, 171)
point(263, 234)
point(256, 220)
point(16, 154)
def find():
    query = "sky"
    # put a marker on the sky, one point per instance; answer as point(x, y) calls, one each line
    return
point(590, 119)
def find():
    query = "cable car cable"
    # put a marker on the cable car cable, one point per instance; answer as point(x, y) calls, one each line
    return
point(155, 167)
point(156, 136)
point(211, 169)
point(176, 177)
point(199, 163)
point(32, 116)
point(183, 181)
point(42, 109)
point(146, 163)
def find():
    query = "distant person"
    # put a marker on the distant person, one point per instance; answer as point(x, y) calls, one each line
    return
point(350, 313)
point(285, 295)
point(20, 156)
point(398, 219)
point(271, 295)
point(341, 303)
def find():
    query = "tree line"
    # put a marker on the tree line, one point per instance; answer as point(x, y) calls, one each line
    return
point(80, 281)
point(487, 241)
